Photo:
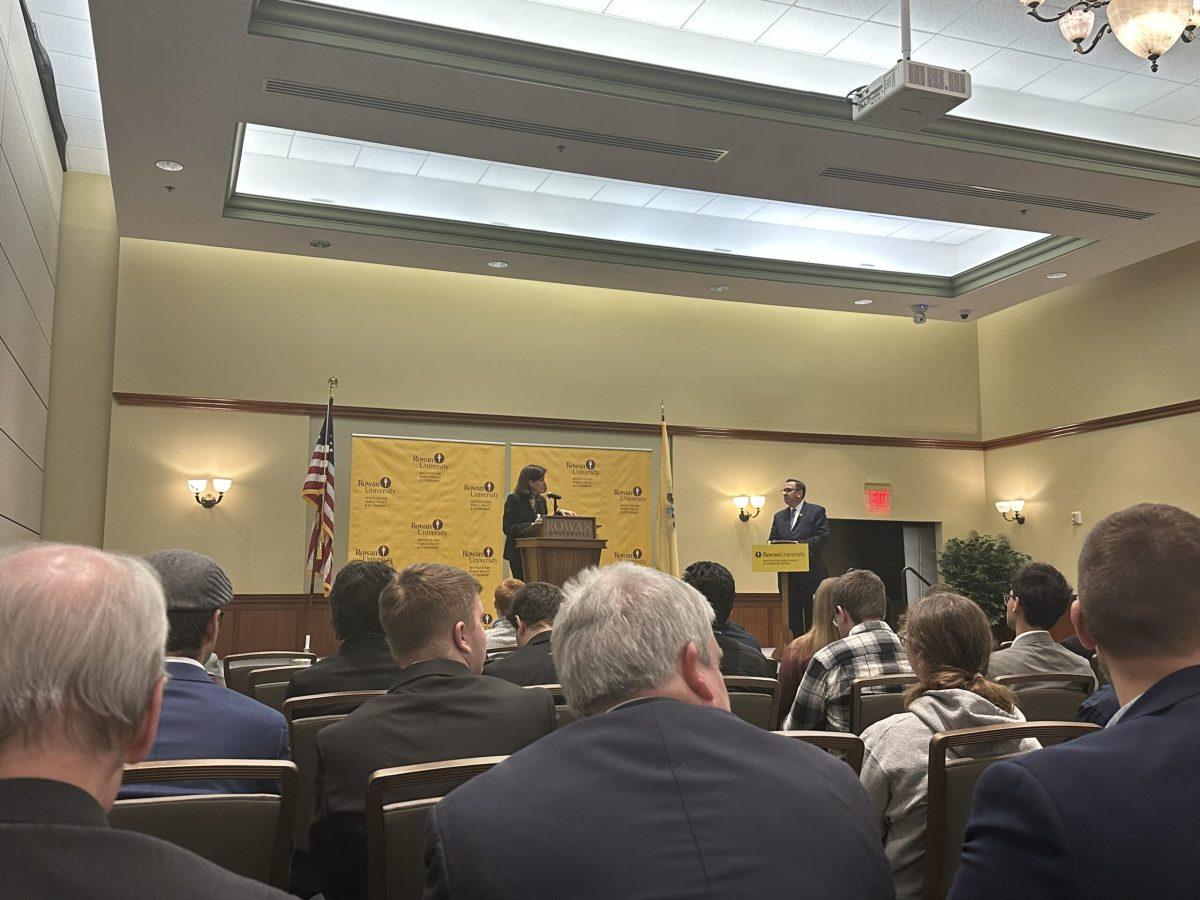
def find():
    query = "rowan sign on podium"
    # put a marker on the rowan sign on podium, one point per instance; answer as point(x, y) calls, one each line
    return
point(780, 558)
point(557, 547)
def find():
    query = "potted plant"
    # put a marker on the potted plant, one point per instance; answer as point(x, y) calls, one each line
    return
point(981, 567)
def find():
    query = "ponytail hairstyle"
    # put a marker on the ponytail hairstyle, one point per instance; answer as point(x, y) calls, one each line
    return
point(950, 635)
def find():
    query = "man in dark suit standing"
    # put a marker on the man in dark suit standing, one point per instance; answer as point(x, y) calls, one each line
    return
point(659, 789)
point(439, 708)
point(533, 610)
point(806, 523)
point(1111, 814)
point(81, 682)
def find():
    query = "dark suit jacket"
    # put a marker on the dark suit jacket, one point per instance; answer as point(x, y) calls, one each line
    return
point(738, 659)
point(532, 664)
point(55, 842)
point(738, 633)
point(1111, 814)
point(202, 720)
point(811, 528)
point(517, 516)
point(660, 798)
point(362, 663)
point(437, 710)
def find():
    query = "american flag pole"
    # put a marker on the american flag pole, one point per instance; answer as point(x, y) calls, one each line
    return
point(318, 489)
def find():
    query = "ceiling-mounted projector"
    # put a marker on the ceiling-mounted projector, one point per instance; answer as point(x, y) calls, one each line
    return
point(911, 96)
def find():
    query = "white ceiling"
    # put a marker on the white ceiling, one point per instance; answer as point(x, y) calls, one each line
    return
point(64, 28)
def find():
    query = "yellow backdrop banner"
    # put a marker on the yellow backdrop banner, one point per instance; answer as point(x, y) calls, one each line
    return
point(428, 501)
point(612, 485)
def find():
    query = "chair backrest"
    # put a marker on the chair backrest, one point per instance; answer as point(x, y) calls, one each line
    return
point(238, 666)
point(1048, 697)
point(249, 834)
point(270, 685)
point(563, 714)
point(846, 747)
point(398, 801)
point(754, 700)
point(875, 698)
point(952, 790)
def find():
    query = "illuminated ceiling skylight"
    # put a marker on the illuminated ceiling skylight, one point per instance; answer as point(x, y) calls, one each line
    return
point(319, 169)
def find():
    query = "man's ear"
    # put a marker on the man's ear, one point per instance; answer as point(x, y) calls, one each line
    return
point(147, 729)
point(1081, 628)
point(518, 625)
point(692, 671)
point(459, 638)
point(213, 628)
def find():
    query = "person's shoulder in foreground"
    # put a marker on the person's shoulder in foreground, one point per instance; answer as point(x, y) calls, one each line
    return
point(1113, 813)
point(682, 798)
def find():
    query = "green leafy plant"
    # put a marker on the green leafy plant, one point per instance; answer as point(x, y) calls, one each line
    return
point(981, 567)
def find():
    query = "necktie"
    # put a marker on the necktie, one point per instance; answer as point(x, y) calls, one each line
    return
point(795, 517)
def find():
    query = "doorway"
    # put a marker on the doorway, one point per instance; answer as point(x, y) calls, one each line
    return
point(888, 549)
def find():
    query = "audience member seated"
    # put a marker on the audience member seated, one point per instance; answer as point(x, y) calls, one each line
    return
point(81, 688)
point(715, 582)
point(439, 708)
point(1111, 814)
point(799, 653)
point(201, 719)
point(1040, 596)
point(533, 611)
point(502, 635)
point(867, 647)
point(363, 662)
point(659, 790)
point(948, 641)
point(1102, 705)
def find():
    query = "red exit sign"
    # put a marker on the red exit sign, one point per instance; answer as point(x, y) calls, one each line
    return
point(878, 498)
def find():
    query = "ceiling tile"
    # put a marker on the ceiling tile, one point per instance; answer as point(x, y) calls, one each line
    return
point(959, 236)
point(266, 143)
point(75, 71)
point(514, 178)
point(1183, 105)
point(855, 9)
point(1130, 92)
point(998, 22)
point(832, 219)
point(85, 132)
point(877, 226)
point(341, 153)
point(878, 45)
point(923, 231)
point(1047, 40)
point(1072, 81)
point(782, 214)
point(1181, 64)
point(808, 31)
point(626, 194)
point(739, 20)
point(679, 201)
point(561, 184)
point(87, 159)
point(590, 5)
point(453, 168)
point(732, 207)
point(384, 159)
point(66, 35)
point(76, 9)
point(927, 15)
point(1012, 69)
point(953, 53)
point(84, 104)
point(672, 13)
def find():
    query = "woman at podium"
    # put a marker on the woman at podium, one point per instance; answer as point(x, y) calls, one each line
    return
point(521, 508)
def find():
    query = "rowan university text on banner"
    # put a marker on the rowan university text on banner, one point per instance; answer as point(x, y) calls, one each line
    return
point(415, 500)
point(612, 485)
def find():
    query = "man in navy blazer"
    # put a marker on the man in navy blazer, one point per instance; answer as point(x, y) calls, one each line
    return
point(659, 790)
point(1112, 814)
point(806, 523)
point(201, 719)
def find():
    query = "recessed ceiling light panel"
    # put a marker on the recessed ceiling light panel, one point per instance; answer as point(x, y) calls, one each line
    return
point(169, 165)
point(719, 288)
point(865, 301)
point(498, 264)
point(1057, 275)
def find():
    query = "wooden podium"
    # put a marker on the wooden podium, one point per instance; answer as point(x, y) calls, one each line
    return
point(557, 547)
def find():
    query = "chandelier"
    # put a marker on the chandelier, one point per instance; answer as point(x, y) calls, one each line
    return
point(1146, 28)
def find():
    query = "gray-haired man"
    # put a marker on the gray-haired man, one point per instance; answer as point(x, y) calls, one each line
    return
point(81, 681)
point(659, 789)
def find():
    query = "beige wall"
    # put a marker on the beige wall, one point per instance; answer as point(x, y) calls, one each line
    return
point(30, 195)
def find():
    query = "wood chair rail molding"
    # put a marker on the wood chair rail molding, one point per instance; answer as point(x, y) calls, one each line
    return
point(795, 437)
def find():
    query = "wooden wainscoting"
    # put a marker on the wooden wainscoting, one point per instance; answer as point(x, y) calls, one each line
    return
point(276, 622)
point(760, 615)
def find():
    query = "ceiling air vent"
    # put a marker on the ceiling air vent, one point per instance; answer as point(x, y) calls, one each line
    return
point(387, 104)
point(984, 193)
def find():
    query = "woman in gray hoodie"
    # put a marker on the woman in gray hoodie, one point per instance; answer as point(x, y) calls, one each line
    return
point(948, 643)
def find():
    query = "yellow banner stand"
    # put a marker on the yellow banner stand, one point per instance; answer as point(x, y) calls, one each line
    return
point(612, 485)
point(780, 558)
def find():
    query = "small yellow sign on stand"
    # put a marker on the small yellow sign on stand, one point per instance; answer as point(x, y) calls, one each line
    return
point(780, 558)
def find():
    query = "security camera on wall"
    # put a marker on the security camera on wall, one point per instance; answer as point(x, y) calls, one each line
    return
point(919, 311)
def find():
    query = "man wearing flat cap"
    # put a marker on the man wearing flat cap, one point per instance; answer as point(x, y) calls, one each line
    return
point(200, 719)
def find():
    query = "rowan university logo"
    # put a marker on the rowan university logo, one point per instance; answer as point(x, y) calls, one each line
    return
point(385, 482)
point(384, 550)
point(637, 491)
point(489, 552)
point(439, 458)
point(590, 464)
point(489, 486)
point(437, 524)
point(637, 554)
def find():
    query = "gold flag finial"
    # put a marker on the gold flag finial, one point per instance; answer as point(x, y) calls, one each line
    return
point(333, 383)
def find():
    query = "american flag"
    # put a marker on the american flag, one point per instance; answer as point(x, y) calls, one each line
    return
point(318, 490)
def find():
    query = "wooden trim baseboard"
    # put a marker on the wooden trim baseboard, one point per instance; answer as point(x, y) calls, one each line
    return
point(380, 413)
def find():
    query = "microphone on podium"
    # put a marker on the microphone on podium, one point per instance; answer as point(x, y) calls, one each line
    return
point(555, 498)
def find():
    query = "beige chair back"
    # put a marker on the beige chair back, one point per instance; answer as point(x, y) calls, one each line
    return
point(238, 666)
point(952, 790)
point(846, 747)
point(563, 714)
point(875, 698)
point(248, 834)
point(398, 802)
point(1048, 698)
point(303, 727)
point(754, 700)
point(269, 685)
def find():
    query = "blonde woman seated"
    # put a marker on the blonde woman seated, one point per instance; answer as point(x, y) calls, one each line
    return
point(948, 643)
point(799, 653)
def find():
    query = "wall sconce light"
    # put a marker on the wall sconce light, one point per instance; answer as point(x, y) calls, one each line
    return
point(1004, 507)
point(206, 498)
point(756, 503)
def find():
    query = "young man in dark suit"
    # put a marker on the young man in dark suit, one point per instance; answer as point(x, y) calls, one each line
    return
point(439, 708)
point(1113, 813)
point(533, 610)
point(659, 789)
point(806, 523)
point(716, 583)
point(81, 687)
